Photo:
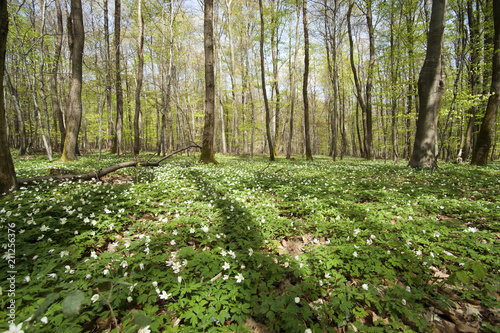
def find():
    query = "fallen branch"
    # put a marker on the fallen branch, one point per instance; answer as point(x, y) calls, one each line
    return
point(102, 172)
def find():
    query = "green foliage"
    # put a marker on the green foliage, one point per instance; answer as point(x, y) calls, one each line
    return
point(294, 245)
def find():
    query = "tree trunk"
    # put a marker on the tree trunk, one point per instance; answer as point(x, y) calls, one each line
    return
point(274, 53)
point(292, 81)
point(485, 136)
point(473, 77)
point(369, 83)
point(58, 115)
point(207, 150)
point(307, 137)
point(140, 75)
point(233, 77)
point(263, 80)
point(333, 74)
point(366, 106)
point(7, 172)
point(20, 121)
point(118, 81)
point(109, 105)
point(431, 86)
point(74, 112)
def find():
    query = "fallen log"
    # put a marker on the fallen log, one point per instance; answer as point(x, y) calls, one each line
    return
point(102, 172)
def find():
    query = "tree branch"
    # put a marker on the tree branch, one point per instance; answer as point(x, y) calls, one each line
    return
point(102, 172)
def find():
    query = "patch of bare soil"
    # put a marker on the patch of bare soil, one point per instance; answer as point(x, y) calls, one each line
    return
point(116, 178)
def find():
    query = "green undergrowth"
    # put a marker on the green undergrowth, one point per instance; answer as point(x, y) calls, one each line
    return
point(293, 245)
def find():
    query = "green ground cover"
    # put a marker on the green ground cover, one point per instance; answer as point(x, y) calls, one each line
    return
point(292, 246)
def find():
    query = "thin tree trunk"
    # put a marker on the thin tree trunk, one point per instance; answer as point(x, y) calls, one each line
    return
point(431, 86)
point(263, 80)
point(109, 101)
point(118, 81)
point(473, 77)
point(207, 150)
point(307, 137)
point(293, 83)
point(485, 136)
point(233, 77)
point(275, 56)
point(74, 112)
point(140, 75)
point(20, 121)
point(58, 115)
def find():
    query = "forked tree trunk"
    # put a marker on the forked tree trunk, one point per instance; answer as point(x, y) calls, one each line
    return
point(207, 150)
point(485, 136)
point(431, 86)
point(7, 172)
point(306, 80)
point(263, 79)
point(74, 113)
point(140, 74)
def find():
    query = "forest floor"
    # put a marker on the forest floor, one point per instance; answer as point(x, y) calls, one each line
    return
point(248, 245)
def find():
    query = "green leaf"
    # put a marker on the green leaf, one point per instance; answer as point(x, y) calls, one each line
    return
point(462, 276)
point(479, 270)
point(51, 298)
point(142, 321)
point(72, 303)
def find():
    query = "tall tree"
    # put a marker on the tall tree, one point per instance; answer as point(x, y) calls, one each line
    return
point(74, 109)
point(118, 80)
point(473, 77)
point(233, 76)
point(207, 150)
point(263, 80)
point(366, 105)
point(275, 23)
point(293, 74)
point(306, 81)
point(485, 136)
point(140, 75)
point(7, 172)
point(56, 108)
point(431, 86)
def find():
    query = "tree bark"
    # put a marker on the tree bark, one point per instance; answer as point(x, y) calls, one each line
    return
point(307, 137)
point(7, 171)
point(263, 79)
point(485, 136)
point(431, 86)
point(207, 150)
point(140, 75)
point(74, 112)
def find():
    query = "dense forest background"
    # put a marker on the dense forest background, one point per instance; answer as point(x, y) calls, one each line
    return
point(365, 59)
